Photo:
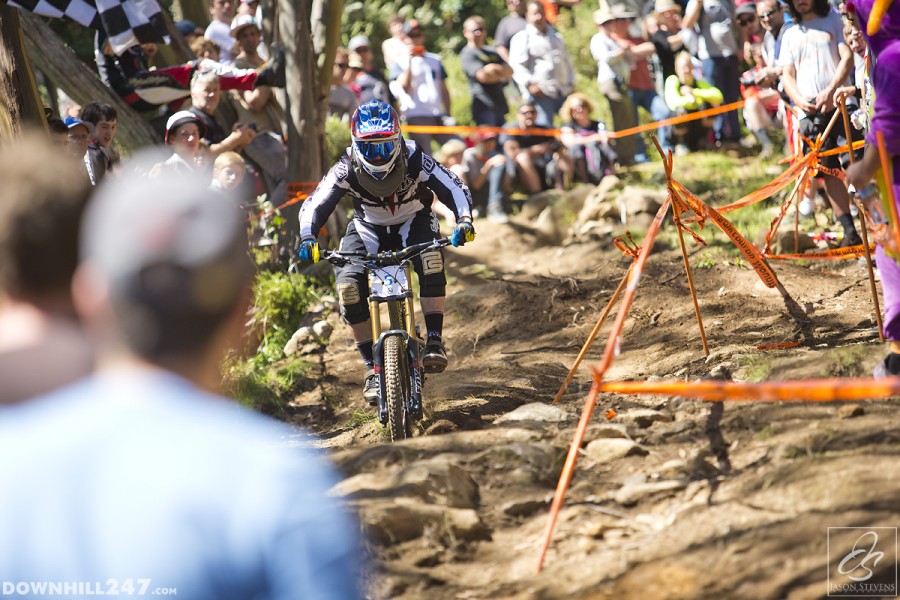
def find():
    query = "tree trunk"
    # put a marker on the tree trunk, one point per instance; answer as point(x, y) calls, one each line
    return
point(83, 85)
point(19, 98)
point(305, 165)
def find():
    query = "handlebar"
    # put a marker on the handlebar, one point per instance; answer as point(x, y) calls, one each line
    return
point(390, 257)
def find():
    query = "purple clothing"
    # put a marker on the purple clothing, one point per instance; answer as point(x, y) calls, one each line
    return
point(885, 49)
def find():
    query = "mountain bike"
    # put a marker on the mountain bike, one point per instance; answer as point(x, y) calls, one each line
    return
point(398, 349)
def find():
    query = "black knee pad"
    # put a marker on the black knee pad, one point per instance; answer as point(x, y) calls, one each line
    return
point(430, 268)
point(354, 308)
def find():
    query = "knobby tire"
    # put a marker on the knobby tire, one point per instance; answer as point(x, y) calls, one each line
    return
point(396, 387)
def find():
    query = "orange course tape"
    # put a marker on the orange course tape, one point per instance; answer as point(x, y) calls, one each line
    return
point(834, 254)
point(805, 390)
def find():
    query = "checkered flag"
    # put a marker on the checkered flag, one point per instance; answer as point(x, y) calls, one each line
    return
point(127, 23)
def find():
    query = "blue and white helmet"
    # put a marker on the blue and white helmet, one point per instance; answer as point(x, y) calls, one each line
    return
point(377, 144)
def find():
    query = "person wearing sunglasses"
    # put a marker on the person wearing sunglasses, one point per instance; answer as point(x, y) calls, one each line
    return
point(488, 74)
point(342, 100)
point(392, 183)
point(771, 17)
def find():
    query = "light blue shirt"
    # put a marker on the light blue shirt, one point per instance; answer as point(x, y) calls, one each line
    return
point(142, 481)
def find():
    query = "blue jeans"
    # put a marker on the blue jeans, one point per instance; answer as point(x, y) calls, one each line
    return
point(723, 73)
point(547, 108)
point(658, 109)
point(488, 116)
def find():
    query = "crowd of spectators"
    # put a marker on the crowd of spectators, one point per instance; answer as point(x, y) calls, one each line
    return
point(667, 57)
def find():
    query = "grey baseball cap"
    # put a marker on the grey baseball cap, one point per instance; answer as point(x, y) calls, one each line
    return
point(168, 240)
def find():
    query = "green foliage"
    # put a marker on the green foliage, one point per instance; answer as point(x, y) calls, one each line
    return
point(337, 134)
point(280, 301)
point(458, 84)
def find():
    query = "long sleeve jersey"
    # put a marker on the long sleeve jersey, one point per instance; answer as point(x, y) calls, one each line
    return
point(425, 179)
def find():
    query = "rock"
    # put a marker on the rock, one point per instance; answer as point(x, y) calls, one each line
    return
point(536, 204)
point(309, 348)
point(784, 242)
point(600, 431)
point(329, 301)
point(608, 450)
point(322, 329)
point(300, 337)
point(535, 411)
point(631, 494)
point(434, 481)
point(643, 417)
point(848, 411)
point(391, 521)
point(524, 508)
point(528, 463)
point(641, 200)
point(549, 227)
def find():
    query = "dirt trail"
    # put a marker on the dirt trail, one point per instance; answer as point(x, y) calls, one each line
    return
point(669, 499)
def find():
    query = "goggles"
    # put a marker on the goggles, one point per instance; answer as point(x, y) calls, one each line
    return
point(377, 152)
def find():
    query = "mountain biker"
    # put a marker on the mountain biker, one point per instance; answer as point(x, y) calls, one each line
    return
point(392, 183)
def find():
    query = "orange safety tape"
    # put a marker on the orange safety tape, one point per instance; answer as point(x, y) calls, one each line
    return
point(289, 202)
point(301, 187)
point(805, 390)
point(834, 254)
point(842, 149)
point(629, 248)
point(469, 130)
point(750, 252)
point(839, 173)
point(778, 346)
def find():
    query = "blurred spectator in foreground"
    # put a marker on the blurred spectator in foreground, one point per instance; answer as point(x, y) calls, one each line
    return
point(341, 99)
point(181, 487)
point(101, 149)
point(485, 167)
point(686, 94)
point(536, 162)
point(42, 345)
point(509, 26)
point(420, 85)
point(542, 67)
point(586, 140)
point(488, 74)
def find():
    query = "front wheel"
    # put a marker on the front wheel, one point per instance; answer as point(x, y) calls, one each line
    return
point(396, 388)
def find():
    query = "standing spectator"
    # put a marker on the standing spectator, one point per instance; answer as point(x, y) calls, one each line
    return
point(369, 80)
point(420, 85)
point(542, 67)
point(686, 94)
point(749, 29)
point(642, 89)
point(535, 161)
point(221, 14)
point(341, 99)
point(59, 133)
point(206, 92)
point(586, 140)
point(142, 469)
point(42, 345)
point(395, 46)
point(614, 62)
point(487, 73)
point(259, 105)
point(77, 145)
point(668, 39)
point(485, 168)
point(189, 30)
point(816, 62)
point(771, 16)
point(509, 26)
point(718, 53)
point(105, 121)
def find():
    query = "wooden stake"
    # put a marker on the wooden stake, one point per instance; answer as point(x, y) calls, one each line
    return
point(676, 215)
point(592, 336)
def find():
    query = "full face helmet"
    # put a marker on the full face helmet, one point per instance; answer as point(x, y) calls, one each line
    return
point(378, 151)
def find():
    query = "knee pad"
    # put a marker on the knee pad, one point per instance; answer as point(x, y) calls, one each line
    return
point(430, 268)
point(354, 309)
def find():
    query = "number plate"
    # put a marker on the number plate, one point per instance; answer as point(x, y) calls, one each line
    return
point(388, 281)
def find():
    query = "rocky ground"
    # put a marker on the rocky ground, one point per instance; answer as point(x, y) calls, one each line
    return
point(671, 498)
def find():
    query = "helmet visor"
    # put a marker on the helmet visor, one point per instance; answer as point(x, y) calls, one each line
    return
point(377, 152)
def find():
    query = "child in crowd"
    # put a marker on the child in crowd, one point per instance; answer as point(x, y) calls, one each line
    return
point(228, 171)
point(686, 94)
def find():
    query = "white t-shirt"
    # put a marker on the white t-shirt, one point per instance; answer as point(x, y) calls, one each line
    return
point(812, 48)
point(220, 33)
point(612, 62)
point(425, 99)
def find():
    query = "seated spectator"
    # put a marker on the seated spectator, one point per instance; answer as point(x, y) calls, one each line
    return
point(485, 168)
point(342, 102)
point(184, 130)
point(101, 152)
point(536, 162)
point(586, 140)
point(760, 103)
point(687, 94)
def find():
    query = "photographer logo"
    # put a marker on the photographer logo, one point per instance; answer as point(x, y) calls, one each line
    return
point(862, 561)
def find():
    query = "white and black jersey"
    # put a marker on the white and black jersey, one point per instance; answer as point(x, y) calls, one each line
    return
point(425, 179)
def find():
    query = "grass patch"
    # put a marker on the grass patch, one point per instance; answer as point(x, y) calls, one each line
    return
point(848, 361)
point(756, 367)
